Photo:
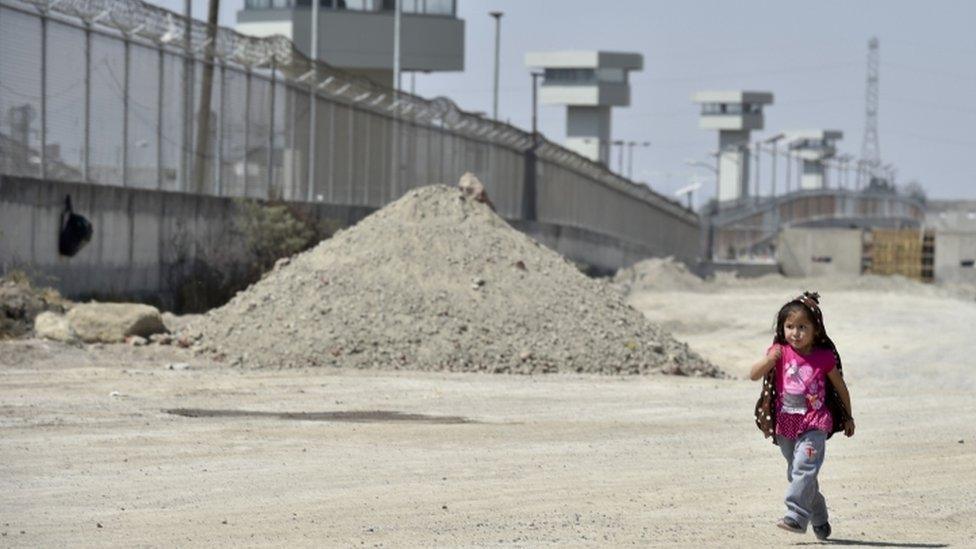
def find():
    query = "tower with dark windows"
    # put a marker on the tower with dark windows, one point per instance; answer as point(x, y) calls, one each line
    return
point(589, 83)
point(734, 114)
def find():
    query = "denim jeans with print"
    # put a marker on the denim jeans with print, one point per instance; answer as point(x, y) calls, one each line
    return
point(804, 457)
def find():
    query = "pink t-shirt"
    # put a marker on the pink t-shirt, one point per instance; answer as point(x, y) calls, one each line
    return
point(801, 382)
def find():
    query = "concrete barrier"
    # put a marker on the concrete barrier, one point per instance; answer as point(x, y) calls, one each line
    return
point(180, 251)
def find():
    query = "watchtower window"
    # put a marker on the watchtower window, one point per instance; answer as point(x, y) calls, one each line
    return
point(731, 108)
point(564, 77)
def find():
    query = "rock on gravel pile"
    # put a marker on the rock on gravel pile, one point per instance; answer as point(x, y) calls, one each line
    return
point(437, 281)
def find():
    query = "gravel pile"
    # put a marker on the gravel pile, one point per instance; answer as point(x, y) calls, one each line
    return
point(657, 274)
point(437, 281)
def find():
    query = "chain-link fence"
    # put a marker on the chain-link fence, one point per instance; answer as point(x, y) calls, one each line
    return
point(124, 93)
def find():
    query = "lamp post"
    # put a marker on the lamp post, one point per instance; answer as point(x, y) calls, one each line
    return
point(714, 210)
point(313, 48)
point(535, 107)
point(498, 25)
point(620, 157)
point(630, 160)
point(709, 167)
point(397, 15)
point(774, 141)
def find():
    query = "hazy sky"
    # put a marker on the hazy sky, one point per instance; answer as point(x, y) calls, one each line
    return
point(811, 55)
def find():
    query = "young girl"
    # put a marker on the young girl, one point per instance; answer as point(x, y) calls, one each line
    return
point(799, 409)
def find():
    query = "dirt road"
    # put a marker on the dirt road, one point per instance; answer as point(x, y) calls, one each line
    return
point(89, 455)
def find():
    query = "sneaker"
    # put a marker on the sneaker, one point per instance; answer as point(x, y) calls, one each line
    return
point(791, 525)
point(822, 532)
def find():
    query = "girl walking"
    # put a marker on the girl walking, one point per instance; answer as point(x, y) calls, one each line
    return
point(804, 401)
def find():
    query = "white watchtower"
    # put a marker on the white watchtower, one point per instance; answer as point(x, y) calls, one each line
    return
point(814, 147)
point(588, 83)
point(734, 114)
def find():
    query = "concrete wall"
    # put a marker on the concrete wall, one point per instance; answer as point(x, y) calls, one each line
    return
point(819, 251)
point(955, 254)
point(167, 247)
point(954, 222)
point(147, 245)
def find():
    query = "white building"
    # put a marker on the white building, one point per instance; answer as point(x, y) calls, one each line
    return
point(588, 83)
point(734, 114)
point(357, 35)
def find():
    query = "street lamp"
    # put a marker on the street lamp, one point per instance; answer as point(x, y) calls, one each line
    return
point(535, 106)
point(630, 161)
point(700, 164)
point(498, 25)
point(842, 160)
point(620, 158)
point(689, 192)
point(714, 169)
point(774, 141)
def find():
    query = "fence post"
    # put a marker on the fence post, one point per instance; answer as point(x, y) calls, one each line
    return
point(366, 146)
point(332, 138)
point(312, 122)
point(247, 125)
point(219, 153)
point(43, 151)
point(125, 111)
point(352, 156)
point(86, 147)
point(160, 80)
point(395, 150)
point(271, 130)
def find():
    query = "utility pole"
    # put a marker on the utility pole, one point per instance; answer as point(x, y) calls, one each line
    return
point(498, 25)
point(206, 90)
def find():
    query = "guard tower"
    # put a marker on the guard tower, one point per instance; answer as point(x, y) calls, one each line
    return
point(734, 114)
point(357, 35)
point(813, 147)
point(588, 83)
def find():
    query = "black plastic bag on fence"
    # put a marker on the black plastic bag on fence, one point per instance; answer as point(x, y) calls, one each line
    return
point(76, 230)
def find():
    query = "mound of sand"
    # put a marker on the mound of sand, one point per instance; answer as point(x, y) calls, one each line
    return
point(657, 274)
point(438, 281)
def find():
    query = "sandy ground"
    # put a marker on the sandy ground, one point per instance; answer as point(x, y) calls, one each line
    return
point(543, 460)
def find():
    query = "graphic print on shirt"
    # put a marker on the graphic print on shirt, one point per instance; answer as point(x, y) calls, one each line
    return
point(800, 389)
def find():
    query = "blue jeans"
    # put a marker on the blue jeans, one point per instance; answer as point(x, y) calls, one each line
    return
point(804, 457)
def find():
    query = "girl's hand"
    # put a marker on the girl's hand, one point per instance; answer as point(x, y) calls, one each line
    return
point(849, 427)
point(766, 364)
